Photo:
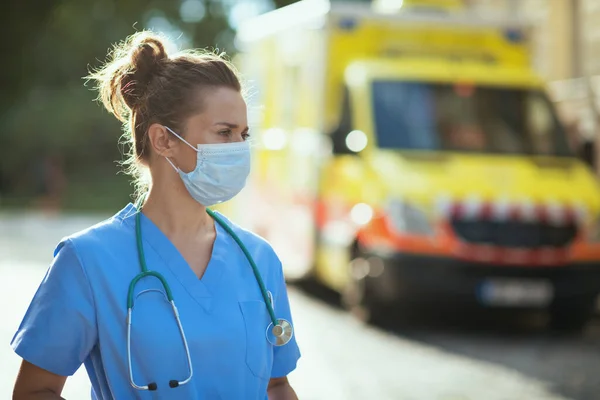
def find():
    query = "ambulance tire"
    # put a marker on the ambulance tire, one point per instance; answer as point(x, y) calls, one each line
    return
point(572, 315)
point(361, 304)
point(358, 296)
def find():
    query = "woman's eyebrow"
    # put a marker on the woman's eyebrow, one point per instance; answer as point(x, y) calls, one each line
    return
point(227, 124)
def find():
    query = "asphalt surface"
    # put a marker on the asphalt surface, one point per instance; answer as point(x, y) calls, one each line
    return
point(568, 363)
point(431, 356)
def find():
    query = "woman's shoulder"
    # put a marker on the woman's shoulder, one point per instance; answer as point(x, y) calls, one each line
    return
point(101, 234)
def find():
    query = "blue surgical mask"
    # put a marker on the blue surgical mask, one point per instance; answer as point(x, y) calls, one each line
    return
point(221, 171)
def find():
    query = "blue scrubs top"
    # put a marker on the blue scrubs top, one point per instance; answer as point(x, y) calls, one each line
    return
point(78, 315)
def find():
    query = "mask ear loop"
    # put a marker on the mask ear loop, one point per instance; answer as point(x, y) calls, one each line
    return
point(184, 141)
point(180, 138)
point(172, 165)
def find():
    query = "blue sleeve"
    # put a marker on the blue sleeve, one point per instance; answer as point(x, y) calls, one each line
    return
point(58, 330)
point(285, 357)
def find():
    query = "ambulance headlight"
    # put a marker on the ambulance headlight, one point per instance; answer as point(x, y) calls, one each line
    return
point(409, 218)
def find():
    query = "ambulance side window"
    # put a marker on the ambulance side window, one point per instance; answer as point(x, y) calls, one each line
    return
point(338, 136)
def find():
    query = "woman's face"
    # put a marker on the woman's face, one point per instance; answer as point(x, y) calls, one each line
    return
point(222, 120)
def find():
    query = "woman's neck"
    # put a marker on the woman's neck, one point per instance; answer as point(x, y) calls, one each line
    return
point(175, 212)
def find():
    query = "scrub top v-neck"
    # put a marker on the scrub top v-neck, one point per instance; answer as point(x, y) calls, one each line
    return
point(78, 315)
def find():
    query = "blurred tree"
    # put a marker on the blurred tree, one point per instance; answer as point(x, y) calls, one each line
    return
point(18, 25)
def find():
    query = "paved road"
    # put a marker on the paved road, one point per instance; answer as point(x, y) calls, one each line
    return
point(343, 360)
point(571, 363)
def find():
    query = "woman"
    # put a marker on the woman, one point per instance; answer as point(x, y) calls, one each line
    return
point(187, 121)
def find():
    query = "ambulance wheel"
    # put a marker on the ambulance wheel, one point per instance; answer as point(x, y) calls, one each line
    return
point(358, 296)
point(571, 315)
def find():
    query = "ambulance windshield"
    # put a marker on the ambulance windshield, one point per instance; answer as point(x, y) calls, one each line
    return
point(466, 118)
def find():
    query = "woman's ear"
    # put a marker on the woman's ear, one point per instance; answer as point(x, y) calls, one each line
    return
point(161, 140)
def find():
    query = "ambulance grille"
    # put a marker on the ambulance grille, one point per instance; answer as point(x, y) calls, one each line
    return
point(518, 234)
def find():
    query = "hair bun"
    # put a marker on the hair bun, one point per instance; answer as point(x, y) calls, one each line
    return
point(146, 57)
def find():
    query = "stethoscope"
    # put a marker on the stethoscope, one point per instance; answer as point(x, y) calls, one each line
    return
point(279, 331)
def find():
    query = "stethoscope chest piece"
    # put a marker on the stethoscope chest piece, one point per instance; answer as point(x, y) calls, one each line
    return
point(280, 334)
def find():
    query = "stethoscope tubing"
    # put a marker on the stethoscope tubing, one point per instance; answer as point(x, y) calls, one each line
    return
point(283, 327)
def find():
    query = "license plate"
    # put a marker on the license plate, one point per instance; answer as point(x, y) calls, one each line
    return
point(500, 292)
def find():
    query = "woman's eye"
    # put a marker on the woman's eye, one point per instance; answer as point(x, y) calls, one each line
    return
point(229, 133)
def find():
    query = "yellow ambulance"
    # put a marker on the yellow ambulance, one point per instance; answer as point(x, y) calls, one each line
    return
point(406, 155)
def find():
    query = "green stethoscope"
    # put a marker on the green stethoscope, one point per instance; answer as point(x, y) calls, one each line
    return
point(279, 331)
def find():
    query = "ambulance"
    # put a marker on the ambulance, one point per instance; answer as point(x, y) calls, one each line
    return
point(410, 154)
